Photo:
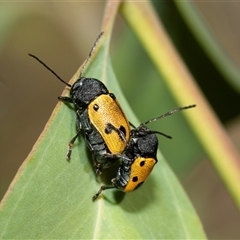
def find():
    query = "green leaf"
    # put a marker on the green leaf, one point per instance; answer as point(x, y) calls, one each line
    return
point(51, 197)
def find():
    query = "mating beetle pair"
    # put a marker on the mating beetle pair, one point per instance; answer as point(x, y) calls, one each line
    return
point(108, 134)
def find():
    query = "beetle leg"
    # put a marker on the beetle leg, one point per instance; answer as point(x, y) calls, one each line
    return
point(65, 99)
point(70, 144)
point(121, 134)
point(97, 166)
point(102, 188)
point(112, 159)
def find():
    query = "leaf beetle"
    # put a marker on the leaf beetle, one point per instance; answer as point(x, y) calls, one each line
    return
point(139, 157)
point(98, 115)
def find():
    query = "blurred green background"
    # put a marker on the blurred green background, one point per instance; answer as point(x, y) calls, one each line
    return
point(61, 34)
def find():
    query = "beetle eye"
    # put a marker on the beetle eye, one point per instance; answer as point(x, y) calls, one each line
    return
point(112, 96)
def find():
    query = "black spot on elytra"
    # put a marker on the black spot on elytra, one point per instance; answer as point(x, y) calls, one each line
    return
point(123, 130)
point(95, 107)
point(142, 163)
point(135, 179)
point(108, 128)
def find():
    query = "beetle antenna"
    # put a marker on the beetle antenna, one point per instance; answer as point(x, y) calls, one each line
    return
point(131, 125)
point(33, 56)
point(163, 134)
point(90, 54)
point(170, 113)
